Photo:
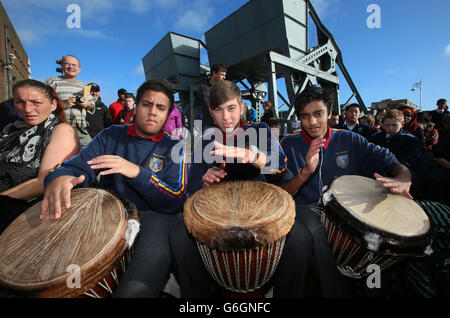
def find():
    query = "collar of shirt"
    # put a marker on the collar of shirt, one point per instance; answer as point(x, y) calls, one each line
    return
point(351, 127)
point(132, 132)
point(309, 140)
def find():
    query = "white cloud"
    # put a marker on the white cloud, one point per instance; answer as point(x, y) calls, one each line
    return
point(93, 34)
point(447, 50)
point(322, 7)
point(139, 70)
point(140, 6)
point(28, 37)
point(196, 16)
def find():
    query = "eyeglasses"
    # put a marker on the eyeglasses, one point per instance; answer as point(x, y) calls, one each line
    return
point(70, 64)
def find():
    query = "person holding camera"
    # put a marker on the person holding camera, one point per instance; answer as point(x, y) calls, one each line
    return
point(71, 92)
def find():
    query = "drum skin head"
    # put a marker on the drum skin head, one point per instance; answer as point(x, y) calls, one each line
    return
point(369, 202)
point(37, 256)
point(239, 215)
point(376, 218)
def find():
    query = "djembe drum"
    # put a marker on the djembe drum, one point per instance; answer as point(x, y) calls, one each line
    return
point(82, 254)
point(366, 224)
point(240, 228)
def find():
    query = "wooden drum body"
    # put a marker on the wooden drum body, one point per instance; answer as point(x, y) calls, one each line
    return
point(82, 254)
point(240, 228)
point(366, 224)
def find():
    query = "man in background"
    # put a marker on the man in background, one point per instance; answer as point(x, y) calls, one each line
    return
point(72, 92)
point(116, 107)
point(98, 118)
point(218, 73)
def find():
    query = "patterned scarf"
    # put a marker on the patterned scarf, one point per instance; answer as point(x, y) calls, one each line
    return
point(21, 149)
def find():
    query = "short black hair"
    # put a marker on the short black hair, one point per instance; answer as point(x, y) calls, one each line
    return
point(313, 93)
point(129, 95)
point(218, 68)
point(157, 85)
point(273, 121)
point(121, 91)
point(352, 105)
point(441, 101)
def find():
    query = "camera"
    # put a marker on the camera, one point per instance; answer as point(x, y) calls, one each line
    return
point(80, 99)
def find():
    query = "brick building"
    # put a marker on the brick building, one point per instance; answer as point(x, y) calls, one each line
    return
point(387, 103)
point(14, 61)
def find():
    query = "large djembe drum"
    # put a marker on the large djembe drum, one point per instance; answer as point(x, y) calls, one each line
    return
point(366, 224)
point(240, 228)
point(82, 254)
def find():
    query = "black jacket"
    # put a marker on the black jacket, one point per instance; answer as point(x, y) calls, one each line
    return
point(98, 119)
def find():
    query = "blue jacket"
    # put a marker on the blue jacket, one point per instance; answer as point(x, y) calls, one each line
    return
point(161, 183)
point(403, 145)
point(345, 153)
point(259, 135)
point(360, 128)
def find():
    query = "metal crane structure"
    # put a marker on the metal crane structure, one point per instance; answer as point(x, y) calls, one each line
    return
point(261, 42)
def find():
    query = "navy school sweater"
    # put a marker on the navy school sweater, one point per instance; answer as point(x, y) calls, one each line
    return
point(345, 153)
point(257, 134)
point(161, 183)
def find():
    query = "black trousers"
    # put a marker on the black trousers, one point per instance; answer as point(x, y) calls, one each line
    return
point(150, 265)
point(195, 281)
point(323, 263)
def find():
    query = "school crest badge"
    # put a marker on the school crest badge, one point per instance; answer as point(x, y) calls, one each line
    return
point(156, 164)
point(342, 161)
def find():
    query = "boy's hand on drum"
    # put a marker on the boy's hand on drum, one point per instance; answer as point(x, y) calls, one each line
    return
point(57, 192)
point(214, 175)
point(115, 164)
point(313, 157)
point(396, 185)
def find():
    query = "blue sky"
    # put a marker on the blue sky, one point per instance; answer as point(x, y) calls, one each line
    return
point(412, 44)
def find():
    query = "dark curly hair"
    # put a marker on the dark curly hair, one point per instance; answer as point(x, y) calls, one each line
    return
point(313, 93)
point(157, 85)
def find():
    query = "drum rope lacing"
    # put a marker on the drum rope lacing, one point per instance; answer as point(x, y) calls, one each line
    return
point(211, 260)
point(368, 258)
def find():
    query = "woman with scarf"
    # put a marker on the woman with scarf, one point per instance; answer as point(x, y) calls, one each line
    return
point(412, 125)
point(31, 146)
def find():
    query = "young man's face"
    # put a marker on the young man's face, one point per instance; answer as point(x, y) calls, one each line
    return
point(352, 115)
point(334, 120)
point(228, 115)
point(314, 118)
point(442, 105)
point(218, 76)
point(151, 113)
point(391, 126)
point(129, 103)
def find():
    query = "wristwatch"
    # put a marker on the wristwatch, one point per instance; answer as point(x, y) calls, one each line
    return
point(255, 150)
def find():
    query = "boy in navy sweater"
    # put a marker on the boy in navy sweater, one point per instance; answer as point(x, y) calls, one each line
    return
point(135, 162)
point(317, 155)
point(224, 154)
point(406, 148)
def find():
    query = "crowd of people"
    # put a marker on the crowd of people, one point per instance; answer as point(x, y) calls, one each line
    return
point(64, 137)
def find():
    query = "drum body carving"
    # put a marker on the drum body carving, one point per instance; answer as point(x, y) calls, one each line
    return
point(82, 254)
point(366, 224)
point(240, 228)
